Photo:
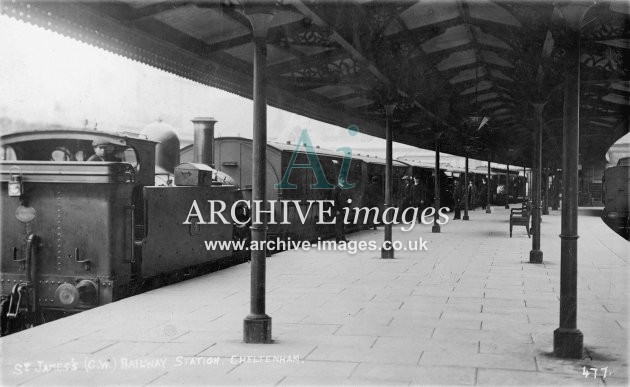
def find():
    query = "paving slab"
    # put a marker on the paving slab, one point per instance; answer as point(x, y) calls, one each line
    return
point(469, 311)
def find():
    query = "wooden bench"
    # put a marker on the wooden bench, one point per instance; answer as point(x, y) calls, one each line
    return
point(521, 217)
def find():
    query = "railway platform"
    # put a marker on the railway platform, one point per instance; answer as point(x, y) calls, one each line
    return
point(469, 310)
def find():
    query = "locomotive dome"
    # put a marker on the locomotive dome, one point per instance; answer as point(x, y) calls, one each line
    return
point(167, 150)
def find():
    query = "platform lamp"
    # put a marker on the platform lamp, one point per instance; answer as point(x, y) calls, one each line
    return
point(476, 123)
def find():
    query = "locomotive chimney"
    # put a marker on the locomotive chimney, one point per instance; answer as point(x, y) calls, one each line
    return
point(203, 147)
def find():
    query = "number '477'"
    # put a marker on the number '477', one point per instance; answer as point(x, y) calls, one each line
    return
point(586, 372)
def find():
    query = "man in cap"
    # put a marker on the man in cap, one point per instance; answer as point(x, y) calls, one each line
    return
point(103, 151)
point(374, 198)
point(418, 196)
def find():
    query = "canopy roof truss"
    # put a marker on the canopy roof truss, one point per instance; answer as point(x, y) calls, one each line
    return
point(445, 64)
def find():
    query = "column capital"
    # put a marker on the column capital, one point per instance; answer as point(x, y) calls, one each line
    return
point(389, 109)
point(260, 16)
point(573, 12)
point(538, 105)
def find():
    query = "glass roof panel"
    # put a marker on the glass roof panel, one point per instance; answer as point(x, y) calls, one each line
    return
point(601, 124)
point(486, 10)
point(499, 75)
point(285, 17)
point(393, 28)
point(310, 50)
point(500, 111)
point(485, 97)
point(483, 85)
point(491, 105)
point(203, 23)
point(143, 3)
point(488, 39)
point(452, 37)
point(621, 86)
point(616, 98)
point(619, 43)
point(620, 6)
point(333, 91)
point(357, 101)
point(245, 52)
point(457, 59)
point(425, 13)
point(494, 58)
point(468, 74)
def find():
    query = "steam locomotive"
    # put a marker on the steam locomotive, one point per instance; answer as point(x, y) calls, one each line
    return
point(616, 197)
point(77, 234)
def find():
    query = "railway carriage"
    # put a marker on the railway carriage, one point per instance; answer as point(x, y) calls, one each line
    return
point(232, 155)
point(616, 197)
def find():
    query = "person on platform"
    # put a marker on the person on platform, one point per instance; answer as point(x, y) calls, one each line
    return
point(483, 196)
point(457, 199)
point(407, 198)
point(340, 202)
point(373, 193)
point(471, 196)
point(418, 196)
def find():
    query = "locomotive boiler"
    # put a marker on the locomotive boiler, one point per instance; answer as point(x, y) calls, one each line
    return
point(77, 234)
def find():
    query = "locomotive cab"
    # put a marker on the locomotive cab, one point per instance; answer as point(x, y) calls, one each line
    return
point(69, 226)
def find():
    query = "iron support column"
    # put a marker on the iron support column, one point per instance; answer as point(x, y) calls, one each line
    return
point(507, 187)
point(257, 325)
point(536, 255)
point(389, 111)
point(567, 339)
point(489, 188)
point(436, 180)
point(466, 191)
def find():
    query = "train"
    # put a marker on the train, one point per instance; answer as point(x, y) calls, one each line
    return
point(77, 233)
point(616, 197)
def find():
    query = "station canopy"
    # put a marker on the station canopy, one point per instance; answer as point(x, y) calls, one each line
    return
point(468, 69)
